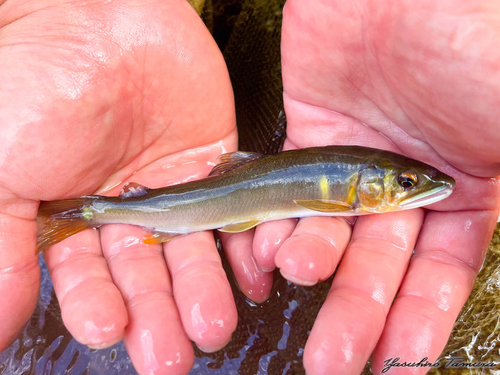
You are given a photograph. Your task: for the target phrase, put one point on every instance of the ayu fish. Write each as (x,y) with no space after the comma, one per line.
(245,189)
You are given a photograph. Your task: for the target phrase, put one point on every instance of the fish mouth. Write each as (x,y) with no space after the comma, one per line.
(424,199)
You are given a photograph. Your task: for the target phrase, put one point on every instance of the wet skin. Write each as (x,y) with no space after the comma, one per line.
(86,98)
(406,76)
(91,94)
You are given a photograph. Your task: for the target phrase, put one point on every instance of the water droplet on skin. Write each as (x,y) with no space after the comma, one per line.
(218,322)
(197,321)
(347,347)
(444,296)
(467,226)
(109,329)
(264,249)
(150,362)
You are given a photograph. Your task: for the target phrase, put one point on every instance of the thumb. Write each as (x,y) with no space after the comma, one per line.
(19,271)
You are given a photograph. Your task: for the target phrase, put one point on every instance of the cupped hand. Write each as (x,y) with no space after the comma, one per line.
(416,78)
(92,95)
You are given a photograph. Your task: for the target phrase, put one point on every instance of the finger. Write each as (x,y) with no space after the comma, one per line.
(19,275)
(154,336)
(92,308)
(268,239)
(448,255)
(253,281)
(202,292)
(353,315)
(314,250)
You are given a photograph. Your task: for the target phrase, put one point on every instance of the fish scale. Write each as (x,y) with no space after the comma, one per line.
(246,189)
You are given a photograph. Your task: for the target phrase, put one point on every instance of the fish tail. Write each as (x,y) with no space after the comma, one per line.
(61,219)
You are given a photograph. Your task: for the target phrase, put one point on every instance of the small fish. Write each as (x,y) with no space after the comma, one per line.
(245,189)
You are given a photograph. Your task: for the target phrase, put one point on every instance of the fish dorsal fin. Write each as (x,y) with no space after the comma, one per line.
(239,227)
(322,205)
(232,160)
(133,189)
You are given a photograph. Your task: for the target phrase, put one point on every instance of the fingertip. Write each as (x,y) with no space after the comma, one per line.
(253,281)
(155,339)
(314,249)
(296,280)
(96,320)
(268,239)
(316,360)
(213,348)
(201,290)
(261,294)
(259,285)
(305,260)
(321,357)
(263,255)
(206,306)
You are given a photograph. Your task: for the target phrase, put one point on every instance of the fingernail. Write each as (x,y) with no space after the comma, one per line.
(266,270)
(213,349)
(297,280)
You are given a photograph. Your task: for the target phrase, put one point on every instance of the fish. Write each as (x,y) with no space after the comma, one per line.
(245,189)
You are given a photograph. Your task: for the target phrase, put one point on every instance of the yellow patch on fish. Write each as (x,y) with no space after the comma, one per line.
(351,197)
(324,187)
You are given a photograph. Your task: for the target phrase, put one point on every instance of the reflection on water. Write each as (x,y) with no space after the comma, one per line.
(46,347)
(269,339)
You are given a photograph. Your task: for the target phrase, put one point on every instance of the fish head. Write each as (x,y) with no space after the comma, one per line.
(413,185)
(399,183)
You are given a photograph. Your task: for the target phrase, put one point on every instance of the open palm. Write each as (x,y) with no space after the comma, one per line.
(411,77)
(93,95)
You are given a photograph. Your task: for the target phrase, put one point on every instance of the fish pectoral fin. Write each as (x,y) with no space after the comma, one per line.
(159,237)
(239,227)
(232,160)
(325,205)
(133,189)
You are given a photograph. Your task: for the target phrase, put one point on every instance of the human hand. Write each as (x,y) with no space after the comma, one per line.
(416,78)
(94,95)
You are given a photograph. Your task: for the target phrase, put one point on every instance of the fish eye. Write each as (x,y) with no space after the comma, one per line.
(407,180)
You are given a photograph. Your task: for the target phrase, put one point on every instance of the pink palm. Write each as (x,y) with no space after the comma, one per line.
(413,77)
(418,78)
(92,96)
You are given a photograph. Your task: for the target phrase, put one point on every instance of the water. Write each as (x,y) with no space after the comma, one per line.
(261,344)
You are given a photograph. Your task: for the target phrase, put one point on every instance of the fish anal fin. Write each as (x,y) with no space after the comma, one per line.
(133,189)
(158,237)
(239,227)
(325,205)
(232,160)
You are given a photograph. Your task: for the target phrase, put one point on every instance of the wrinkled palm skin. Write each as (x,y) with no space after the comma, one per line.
(421,78)
(92,93)
(98,93)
